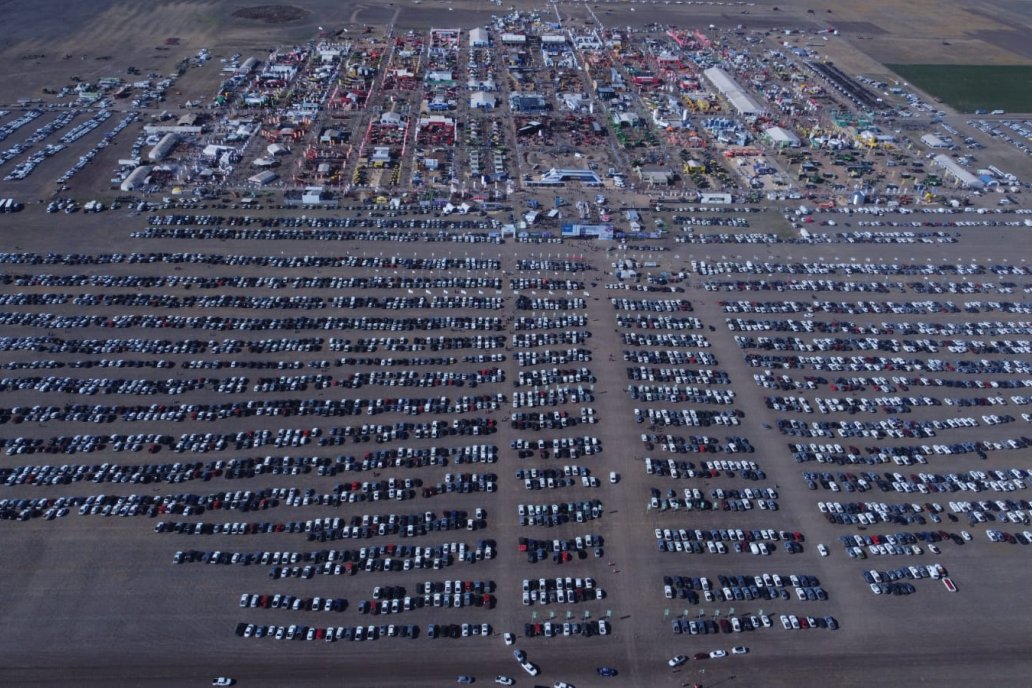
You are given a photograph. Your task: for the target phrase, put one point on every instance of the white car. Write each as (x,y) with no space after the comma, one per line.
(718,653)
(822,550)
(530,668)
(504,680)
(509,638)
(222,681)
(677,661)
(613,477)
(739,650)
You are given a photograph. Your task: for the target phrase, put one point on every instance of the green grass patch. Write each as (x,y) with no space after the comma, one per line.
(967,88)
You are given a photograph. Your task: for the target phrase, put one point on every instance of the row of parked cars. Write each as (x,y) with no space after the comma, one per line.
(298,449)
(292,602)
(549,629)
(750,622)
(367,218)
(552,356)
(329,633)
(430,599)
(996,480)
(738,587)
(553,396)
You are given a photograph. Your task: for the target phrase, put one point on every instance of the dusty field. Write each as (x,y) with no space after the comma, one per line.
(88,592)
(96,601)
(271,14)
(42,40)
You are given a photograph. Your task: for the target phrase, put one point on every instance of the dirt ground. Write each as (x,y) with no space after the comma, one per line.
(124,611)
(97,602)
(42,40)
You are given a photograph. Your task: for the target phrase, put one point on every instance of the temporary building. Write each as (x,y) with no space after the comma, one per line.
(958,173)
(781,137)
(263,178)
(136,179)
(656,175)
(312,195)
(482,100)
(561,175)
(733,92)
(479,38)
(163,147)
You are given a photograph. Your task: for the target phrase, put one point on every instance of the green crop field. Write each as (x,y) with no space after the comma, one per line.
(971,87)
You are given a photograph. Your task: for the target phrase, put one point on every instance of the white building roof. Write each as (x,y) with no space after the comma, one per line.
(656,175)
(163,147)
(558,175)
(213,150)
(782,136)
(953,169)
(729,88)
(312,194)
(263,178)
(248,65)
(478,36)
(436,119)
(136,178)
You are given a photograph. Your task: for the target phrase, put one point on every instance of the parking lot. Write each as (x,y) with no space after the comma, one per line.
(303,484)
